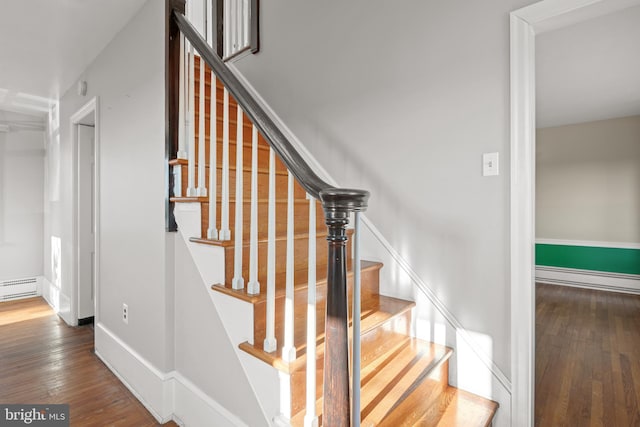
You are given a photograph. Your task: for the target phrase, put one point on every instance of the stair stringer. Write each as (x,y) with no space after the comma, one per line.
(236,315)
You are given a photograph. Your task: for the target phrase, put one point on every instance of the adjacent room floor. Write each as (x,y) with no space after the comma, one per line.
(44,361)
(587,357)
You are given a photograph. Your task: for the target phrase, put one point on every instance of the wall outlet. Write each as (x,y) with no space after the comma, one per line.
(125,313)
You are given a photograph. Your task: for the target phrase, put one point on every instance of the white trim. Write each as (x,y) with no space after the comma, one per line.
(402,262)
(93,106)
(439,305)
(617,282)
(167,396)
(193,407)
(147,383)
(593,244)
(525,23)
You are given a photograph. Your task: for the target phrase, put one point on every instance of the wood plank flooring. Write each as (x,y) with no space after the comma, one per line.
(587,358)
(44,361)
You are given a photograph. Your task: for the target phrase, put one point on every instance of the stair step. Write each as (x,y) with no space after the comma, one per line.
(300,283)
(379,310)
(280,182)
(300,256)
(408,363)
(454,408)
(263,153)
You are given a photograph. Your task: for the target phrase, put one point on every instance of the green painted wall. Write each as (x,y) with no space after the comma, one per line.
(613,260)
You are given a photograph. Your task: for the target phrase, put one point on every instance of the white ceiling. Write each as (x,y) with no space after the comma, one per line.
(46,44)
(589,71)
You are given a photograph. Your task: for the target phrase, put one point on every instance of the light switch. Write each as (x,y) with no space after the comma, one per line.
(490,164)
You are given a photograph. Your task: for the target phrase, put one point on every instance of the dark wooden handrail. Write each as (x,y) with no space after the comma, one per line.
(338,204)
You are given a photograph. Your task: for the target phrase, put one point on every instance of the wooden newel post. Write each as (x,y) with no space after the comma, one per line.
(338,205)
(336,410)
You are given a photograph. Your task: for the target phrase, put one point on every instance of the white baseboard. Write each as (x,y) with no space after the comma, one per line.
(589,243)
(616,282)
(167,396)
(150,386)
(192,407)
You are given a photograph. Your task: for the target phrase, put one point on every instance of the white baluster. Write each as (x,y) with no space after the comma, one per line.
(270,343)
(182,151)
(202,186)
(191,168)
(212,232)
(254,286)
(225,232)
(238,280)
(310,417)
(177,180)
(241,24)
(226,28)
(355,363)
(289,349)
(208,8)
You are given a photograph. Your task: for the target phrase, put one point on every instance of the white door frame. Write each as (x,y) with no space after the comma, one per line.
(525,24)
(91,107)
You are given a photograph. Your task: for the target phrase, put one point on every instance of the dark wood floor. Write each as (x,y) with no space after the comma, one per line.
(44,361)
(587,358)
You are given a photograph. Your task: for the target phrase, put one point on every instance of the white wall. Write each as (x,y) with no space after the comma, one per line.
(204,353)
(402,100)
(21,200)
(135,254)
(588,181)
(589,71)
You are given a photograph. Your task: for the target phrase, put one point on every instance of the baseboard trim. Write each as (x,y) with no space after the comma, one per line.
(193,407)
(598,280)
(167,396)
(590,243)
(148,384)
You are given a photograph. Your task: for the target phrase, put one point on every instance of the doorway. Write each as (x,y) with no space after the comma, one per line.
(525,24)
(84,129)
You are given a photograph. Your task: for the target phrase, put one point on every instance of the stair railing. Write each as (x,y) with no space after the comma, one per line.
(183,43)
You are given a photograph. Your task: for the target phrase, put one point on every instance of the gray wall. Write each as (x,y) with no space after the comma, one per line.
(21,200)
(135,253)
(403,99)
(588,181)
(204,354)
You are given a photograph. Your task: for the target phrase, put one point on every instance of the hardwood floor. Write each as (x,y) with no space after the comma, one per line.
(44,361)
(587,358)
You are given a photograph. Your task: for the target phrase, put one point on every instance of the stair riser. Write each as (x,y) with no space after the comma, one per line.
(263,184)
(301,251)
(300,213)
(369,281)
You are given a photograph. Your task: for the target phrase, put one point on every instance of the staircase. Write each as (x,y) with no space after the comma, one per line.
(403,380)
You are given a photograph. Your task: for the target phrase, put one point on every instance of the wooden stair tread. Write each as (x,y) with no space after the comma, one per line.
(467,409)
(377,309)
(454,408)
(385,379)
